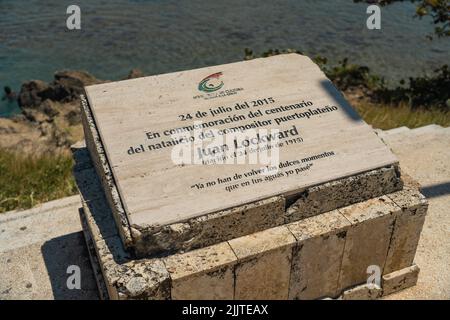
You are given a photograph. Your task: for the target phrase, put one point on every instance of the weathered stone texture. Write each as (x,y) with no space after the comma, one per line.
(203,274)
(320,256)
(362,292)
(408,226)
(317,256)
(101,166)
(264,263)
(400,279)
(143,279)
(343,192)
(367,240)
(209,229)
(124,278)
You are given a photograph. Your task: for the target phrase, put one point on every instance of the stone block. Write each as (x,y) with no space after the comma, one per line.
(345,191)
(209,229)
(362,292)
(203,274)
(104,174)
(407,228)
(400,279)
(317,257)
(124,278)
(298,261)
(264,264)
(367,240)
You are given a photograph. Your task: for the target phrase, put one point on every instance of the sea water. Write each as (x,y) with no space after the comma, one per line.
(171,35)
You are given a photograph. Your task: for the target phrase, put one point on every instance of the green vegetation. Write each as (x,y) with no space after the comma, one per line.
(26,181)
(421,92)
(387,116)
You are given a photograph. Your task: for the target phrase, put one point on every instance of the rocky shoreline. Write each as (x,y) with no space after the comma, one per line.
(50,120)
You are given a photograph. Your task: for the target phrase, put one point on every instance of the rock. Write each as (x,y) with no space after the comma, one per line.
(50,127)
(50,120)
(75,78)
(67,86)
(22,136)
(135,73)
(49,108)
(30,93)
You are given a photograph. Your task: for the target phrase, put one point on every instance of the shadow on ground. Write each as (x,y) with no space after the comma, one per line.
(60,253)
(436,190)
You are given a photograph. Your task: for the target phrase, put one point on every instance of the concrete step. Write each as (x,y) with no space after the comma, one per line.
(394,131)
(36,248)
(390,132)
(432,128)
(417,135)
(46,221)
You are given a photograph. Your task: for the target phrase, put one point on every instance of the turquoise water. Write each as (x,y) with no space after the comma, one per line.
(170,35)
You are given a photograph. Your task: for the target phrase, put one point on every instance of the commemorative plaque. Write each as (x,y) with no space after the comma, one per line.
(187,144)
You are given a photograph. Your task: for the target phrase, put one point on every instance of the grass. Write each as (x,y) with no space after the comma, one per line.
(388,116)
(26,181)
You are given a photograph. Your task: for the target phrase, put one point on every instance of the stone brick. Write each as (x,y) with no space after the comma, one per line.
(408,226)
(143,279)
(124,278)
(343,192)
(367,239)
(401,279)
(362,292)
(203,274)
(264,264)
(317,256)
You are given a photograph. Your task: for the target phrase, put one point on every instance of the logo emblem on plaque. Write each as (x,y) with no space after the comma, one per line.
(211,83)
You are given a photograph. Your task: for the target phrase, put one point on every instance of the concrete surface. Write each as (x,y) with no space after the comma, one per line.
(36,248)
(37,245)
(424,154)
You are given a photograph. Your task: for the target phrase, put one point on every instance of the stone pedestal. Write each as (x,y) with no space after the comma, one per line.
(183,200)
(313,258)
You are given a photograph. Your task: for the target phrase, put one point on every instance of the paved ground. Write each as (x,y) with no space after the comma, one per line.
(37,245)
(425,154)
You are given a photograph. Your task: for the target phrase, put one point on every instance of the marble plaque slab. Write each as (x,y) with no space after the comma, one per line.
(185,144)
